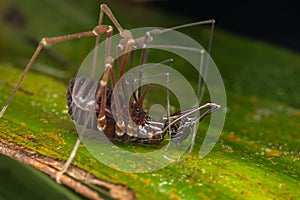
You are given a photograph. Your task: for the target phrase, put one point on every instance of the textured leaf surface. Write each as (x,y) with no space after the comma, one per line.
(257,156)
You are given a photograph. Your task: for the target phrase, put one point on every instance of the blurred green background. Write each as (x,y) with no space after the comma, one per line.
(257,155)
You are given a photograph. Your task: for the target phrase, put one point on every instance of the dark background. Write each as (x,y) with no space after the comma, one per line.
(271,21)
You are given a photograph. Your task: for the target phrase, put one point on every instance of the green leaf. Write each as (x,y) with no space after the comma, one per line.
(256,157)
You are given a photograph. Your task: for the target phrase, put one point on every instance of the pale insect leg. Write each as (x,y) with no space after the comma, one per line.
(68,162)
(73,153)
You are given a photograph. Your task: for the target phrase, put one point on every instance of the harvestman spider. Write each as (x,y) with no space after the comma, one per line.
(144,129)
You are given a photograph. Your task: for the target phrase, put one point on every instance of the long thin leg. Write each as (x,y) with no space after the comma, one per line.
(108,12)
(102,94)
(74,151)
(68,162)
(200,89)
(104,80)
(47,41)
(120,125)
(37,51)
